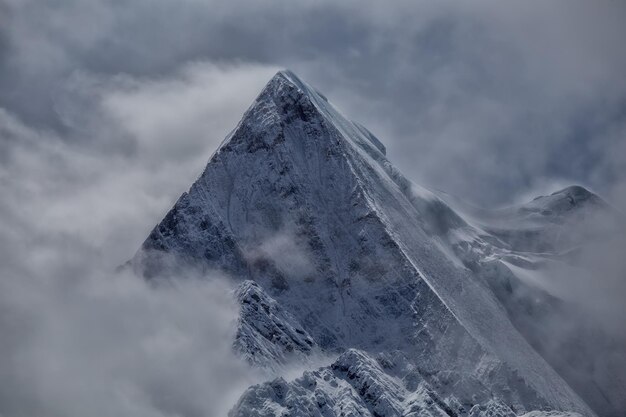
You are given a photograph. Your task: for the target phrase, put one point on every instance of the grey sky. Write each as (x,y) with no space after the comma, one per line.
(488,101)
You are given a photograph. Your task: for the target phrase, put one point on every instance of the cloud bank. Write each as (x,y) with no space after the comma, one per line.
(79,338)
(485,101)
(103,345)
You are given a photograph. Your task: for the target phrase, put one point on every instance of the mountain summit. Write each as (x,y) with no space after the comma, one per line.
(338,253)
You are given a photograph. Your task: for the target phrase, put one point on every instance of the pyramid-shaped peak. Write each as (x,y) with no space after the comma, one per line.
(287,76)
(286,90)
(286,82)
(287,104)
(302,201)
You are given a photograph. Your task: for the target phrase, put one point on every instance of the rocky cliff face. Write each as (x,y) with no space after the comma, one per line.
(341,254)
(357,384)
(267,334)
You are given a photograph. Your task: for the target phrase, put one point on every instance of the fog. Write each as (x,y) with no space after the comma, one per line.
(101,344)
(79,338)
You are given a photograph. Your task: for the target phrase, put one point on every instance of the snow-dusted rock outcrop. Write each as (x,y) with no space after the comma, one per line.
(385,266)
(357,384)
(267,335)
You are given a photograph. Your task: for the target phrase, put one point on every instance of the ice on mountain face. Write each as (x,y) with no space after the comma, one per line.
(386,273)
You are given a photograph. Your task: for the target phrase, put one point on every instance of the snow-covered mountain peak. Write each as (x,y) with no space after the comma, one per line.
(288,101)
(287,78)
(576,190)
(285,86)
(346,253)
(564,200)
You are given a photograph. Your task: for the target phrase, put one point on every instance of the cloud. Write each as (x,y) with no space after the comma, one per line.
(103,344)
(593,280)
(78,338)
(484,101)
(507,94)
(124,162)
(109,110)
(286,250)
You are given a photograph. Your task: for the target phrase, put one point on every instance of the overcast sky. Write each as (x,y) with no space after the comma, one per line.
(489,101)
(109,110)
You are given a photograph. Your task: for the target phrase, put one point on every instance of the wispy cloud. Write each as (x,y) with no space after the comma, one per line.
(79,338)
